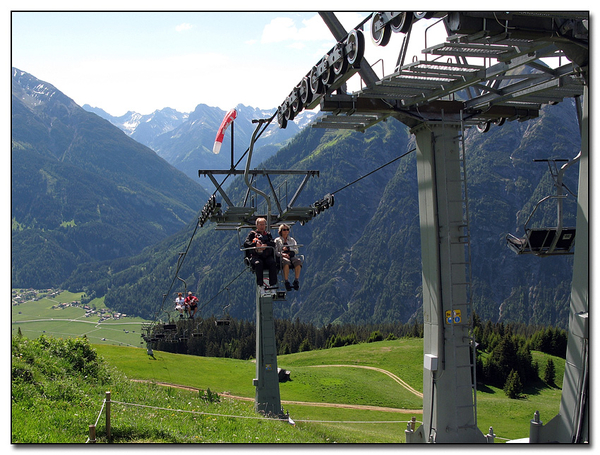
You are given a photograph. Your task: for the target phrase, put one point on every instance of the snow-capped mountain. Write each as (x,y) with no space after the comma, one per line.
(143,128)
(185,140)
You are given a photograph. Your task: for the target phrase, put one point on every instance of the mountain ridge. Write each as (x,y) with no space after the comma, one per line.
(84,187)
(186,140)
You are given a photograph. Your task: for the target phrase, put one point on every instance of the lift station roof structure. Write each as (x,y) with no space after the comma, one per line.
(488,70)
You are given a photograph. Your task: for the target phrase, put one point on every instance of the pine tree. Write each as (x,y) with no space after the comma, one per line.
(305,345)
(513,388)
(550,372)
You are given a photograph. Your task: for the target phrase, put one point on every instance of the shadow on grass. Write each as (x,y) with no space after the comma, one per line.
(484,388)
(528,390)
(537,387)
(129,434)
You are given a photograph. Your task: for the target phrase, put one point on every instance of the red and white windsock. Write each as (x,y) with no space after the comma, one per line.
(227,120)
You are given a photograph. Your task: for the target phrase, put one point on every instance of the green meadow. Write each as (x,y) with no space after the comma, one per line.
(360,393)
(318,379)
(43,316)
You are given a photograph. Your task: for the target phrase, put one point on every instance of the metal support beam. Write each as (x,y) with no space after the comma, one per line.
(267,398)
(449,408)
(298,191)
(571,425)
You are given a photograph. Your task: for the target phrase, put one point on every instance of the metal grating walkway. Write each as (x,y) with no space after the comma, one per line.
(503,80)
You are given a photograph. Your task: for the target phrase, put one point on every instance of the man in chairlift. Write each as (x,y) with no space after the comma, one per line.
(191,302)
(263,256)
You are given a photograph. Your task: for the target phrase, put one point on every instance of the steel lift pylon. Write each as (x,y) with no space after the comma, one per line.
(571,424)
(236,217)
(449,390)
(267,398)
(438,98)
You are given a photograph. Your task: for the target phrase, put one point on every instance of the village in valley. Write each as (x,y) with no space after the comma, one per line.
(20,296)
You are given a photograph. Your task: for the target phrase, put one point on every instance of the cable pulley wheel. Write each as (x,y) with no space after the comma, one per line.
(484,127)
(316,86)
(423,14)
(340,66)
(355,47)
(281,119)
(296,103)
(305,91)
(380,32)
(402,22)
(289,115)
(328,76)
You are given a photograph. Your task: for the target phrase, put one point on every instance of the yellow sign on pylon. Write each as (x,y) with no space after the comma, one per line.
(453,317)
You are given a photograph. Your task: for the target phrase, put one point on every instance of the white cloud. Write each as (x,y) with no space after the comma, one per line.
(279,29)
(183,27)
(285,29)
(314,29)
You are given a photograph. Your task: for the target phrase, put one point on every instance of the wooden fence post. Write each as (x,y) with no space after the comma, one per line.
(92,436)
(108,416)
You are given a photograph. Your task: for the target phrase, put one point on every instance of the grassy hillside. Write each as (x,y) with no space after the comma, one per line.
(370,382)
(315,381)
(58,387)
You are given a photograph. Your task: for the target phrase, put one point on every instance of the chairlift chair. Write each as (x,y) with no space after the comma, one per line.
(546,241)
(195,332)
(224,320)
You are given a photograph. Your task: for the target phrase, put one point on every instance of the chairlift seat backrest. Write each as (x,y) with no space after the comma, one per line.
(567,237)
(539,240)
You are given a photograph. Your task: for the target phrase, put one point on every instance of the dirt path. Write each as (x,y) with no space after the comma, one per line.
(324,405)
(381,370)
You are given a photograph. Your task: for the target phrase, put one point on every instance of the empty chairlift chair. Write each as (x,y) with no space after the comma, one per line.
(543,241)
(546,241)
(224,320)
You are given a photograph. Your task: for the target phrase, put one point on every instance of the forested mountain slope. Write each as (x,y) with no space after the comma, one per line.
(83,191)
(363,254)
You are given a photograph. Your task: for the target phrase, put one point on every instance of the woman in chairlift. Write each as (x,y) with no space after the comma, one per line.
(180,304)
(287,251)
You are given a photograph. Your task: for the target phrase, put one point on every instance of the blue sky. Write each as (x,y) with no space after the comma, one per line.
(144,61)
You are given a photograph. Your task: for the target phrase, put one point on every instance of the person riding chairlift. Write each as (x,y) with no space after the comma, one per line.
(261,258)
(287,251)
(191,302)
(180,304)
